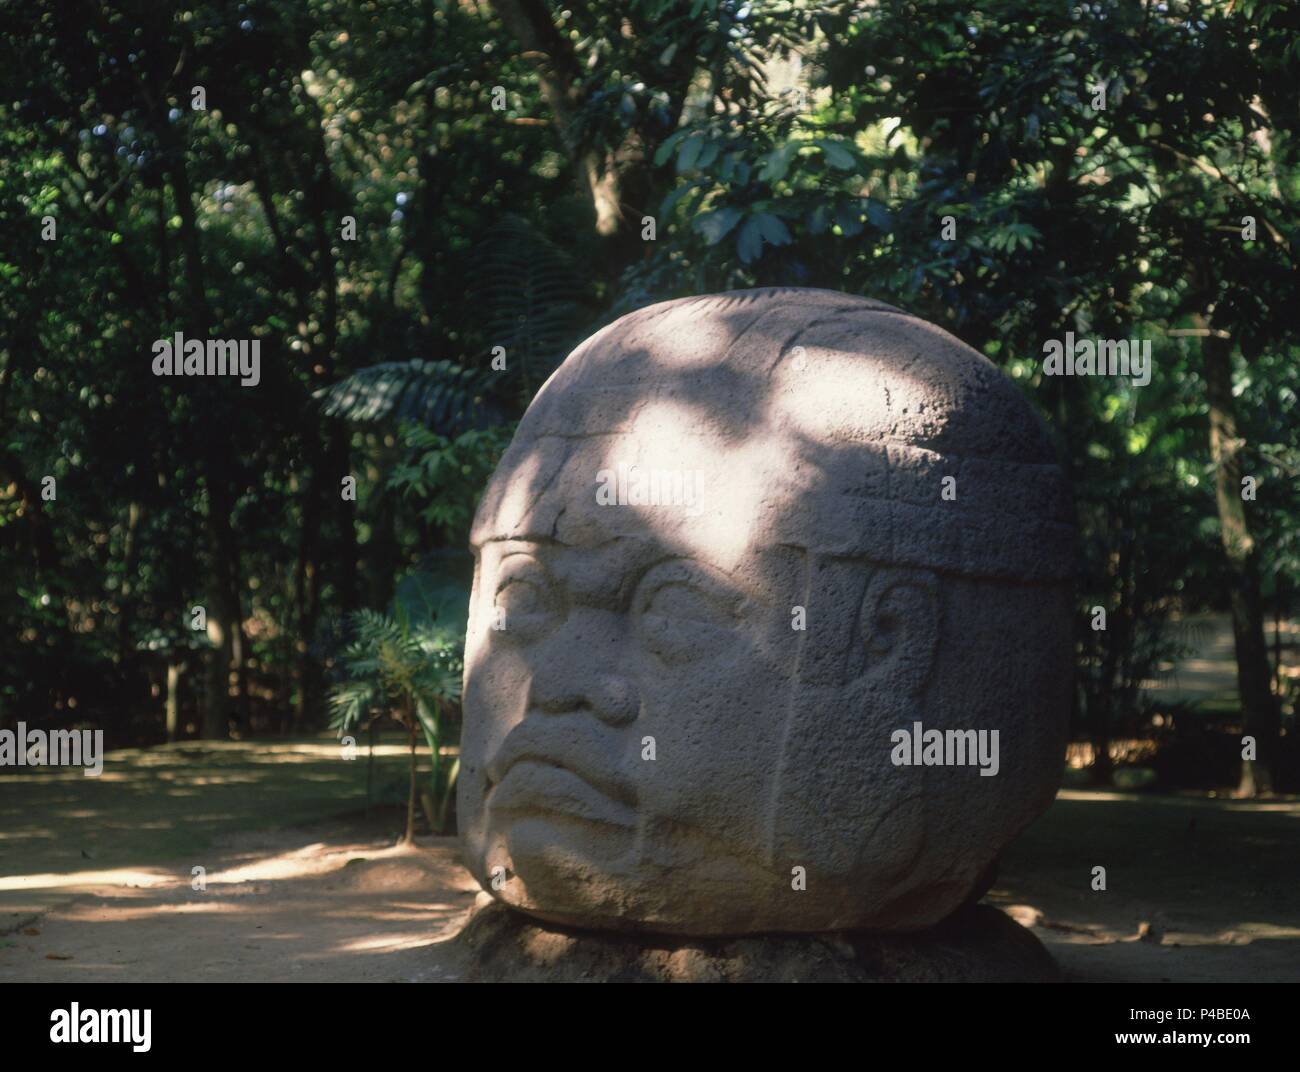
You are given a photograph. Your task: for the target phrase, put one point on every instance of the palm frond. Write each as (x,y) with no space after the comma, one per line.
(351,701)
(437,394)
(531,293)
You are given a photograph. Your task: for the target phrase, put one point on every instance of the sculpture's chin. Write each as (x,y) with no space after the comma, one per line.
(546,845)
(553,860)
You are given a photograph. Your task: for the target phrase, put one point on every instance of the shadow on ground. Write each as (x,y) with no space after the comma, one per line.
(1198,889)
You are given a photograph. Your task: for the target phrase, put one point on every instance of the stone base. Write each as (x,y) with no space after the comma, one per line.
(978,944)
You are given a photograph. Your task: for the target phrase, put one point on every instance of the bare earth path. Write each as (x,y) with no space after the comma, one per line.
(278,907)
(96,878)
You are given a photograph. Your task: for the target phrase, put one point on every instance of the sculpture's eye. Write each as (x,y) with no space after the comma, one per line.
(682,615)
(527,603)
(519,596)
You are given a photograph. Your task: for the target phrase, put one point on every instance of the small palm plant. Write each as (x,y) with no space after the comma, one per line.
(410,672)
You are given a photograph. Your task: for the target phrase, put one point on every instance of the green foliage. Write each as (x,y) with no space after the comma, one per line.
(529,294)
(439,394)
(1119,222)
(406,665)
(391,662)
(785,143)
(442,478)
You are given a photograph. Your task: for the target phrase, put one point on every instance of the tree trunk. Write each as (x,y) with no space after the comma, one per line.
(615,179)
(339,455)
(370,767)
(1099,735)
(381,555)
(173,699)
(409,837)
(216,699)
(1260,715)
(126,601)
(307,587)
(1277,640)
(239,645)
(222,617)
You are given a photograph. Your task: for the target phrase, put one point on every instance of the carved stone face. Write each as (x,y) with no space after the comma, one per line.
(715,574)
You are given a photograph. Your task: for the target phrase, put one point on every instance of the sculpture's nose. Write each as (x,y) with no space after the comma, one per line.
(609,697)
(576,675)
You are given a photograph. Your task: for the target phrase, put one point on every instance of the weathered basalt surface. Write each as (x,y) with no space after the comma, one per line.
(977,945)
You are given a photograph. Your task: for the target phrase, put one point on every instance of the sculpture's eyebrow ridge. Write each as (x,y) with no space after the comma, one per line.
(603,575)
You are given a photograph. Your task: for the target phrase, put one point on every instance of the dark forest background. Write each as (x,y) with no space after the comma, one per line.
(382,192)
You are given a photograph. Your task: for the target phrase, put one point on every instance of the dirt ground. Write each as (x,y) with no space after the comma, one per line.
(302,884)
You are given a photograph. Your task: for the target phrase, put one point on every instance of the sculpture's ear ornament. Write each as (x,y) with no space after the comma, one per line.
(870,623)
(899,627)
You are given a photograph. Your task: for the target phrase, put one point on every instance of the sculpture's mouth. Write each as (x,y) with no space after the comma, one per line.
(530,773)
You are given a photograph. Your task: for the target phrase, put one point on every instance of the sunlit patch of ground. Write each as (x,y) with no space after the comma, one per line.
(299,881)
(164,808)
(272,908)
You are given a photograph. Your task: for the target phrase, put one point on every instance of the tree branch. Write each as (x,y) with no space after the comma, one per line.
(1214,173)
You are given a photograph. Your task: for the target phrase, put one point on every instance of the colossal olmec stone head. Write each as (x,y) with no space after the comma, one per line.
(717,570)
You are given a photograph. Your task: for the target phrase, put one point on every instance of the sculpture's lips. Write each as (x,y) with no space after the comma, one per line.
(562,763)
(536,788)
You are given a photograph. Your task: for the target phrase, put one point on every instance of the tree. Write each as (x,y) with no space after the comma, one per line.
(411,672)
